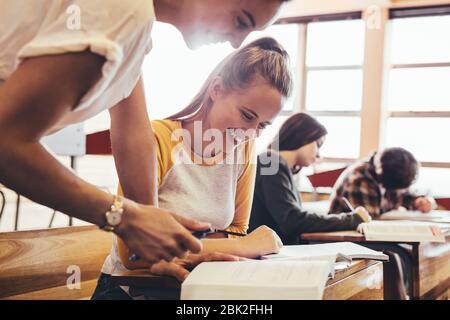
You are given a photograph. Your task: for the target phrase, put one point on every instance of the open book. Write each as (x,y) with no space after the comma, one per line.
(338,251)
(407,231)
(433,216)
(257,280)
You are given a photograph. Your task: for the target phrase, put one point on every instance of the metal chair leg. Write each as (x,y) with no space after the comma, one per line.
(16,222)
(52,218)
(3,204)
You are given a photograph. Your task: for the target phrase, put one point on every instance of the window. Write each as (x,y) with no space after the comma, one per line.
(420,40)
(173,73)
(334,59)
(418,95)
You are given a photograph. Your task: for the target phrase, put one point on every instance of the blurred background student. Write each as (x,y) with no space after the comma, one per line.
(277,202)
(381,184)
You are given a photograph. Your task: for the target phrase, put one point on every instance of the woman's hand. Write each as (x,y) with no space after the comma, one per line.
(424,204)
(155,234)
(261,241)
(180,268)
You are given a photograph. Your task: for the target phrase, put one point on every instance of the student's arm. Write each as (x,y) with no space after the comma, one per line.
(244,193)
(134,148)
(32,100)
(421,203)
(281,202)
(261,241)
(408,200)
(363,193)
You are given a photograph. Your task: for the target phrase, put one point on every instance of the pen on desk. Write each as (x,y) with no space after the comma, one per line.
(231,233)
(349,205)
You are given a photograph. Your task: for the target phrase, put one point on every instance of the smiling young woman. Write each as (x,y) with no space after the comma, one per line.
(245,92)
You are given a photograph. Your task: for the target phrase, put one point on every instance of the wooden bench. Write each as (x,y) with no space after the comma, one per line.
(38,264)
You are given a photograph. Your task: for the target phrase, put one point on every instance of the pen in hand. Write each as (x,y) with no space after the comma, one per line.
(199,235)
(349,205)
(362,212)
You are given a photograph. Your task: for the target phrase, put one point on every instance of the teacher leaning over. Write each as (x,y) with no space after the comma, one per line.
(63,62)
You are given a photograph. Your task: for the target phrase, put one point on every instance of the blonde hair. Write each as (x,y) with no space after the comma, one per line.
(264,57)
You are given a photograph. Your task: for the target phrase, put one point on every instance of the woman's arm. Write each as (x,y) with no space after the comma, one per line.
(261,241)
(134,148)
(281,202)
(32,100)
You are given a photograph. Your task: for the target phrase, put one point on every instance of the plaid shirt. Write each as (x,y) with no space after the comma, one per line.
(359,185)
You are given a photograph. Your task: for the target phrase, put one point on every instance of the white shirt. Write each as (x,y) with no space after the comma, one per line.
(116,29)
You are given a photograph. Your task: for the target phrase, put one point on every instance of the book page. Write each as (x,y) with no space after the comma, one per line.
(343,250)
(257,280)
(408,231)
(434,216)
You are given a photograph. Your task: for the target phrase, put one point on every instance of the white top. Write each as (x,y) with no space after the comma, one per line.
(116,29)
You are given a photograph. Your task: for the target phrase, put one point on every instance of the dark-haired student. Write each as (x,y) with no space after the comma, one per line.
(277,202)
(381,184)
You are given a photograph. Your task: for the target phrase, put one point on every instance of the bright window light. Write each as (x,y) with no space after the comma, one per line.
(343,137)
(334,90)
(422,136)
(335,43)
(419,89)
(420,40)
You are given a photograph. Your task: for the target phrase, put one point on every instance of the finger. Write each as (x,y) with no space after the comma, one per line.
(188,241)
(218,256)
(184,255)
(278,239)
(165,255)
(170,269)
(176,249)
(191,224)
(196,259)
(245,259)
(150,257)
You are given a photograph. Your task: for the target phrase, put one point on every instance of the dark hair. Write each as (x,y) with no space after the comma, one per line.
(399,168)
(297,131)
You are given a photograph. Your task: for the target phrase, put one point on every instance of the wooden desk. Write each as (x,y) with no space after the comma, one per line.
(361,281)
(430,262)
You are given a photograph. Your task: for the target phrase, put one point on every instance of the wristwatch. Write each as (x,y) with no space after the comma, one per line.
(114,215)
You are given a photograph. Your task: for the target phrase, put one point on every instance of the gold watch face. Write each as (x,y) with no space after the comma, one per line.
(114,218)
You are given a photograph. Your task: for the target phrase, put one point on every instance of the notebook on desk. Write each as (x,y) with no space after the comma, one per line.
(433,216)
(339,251)
(404,231)
(257,280)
